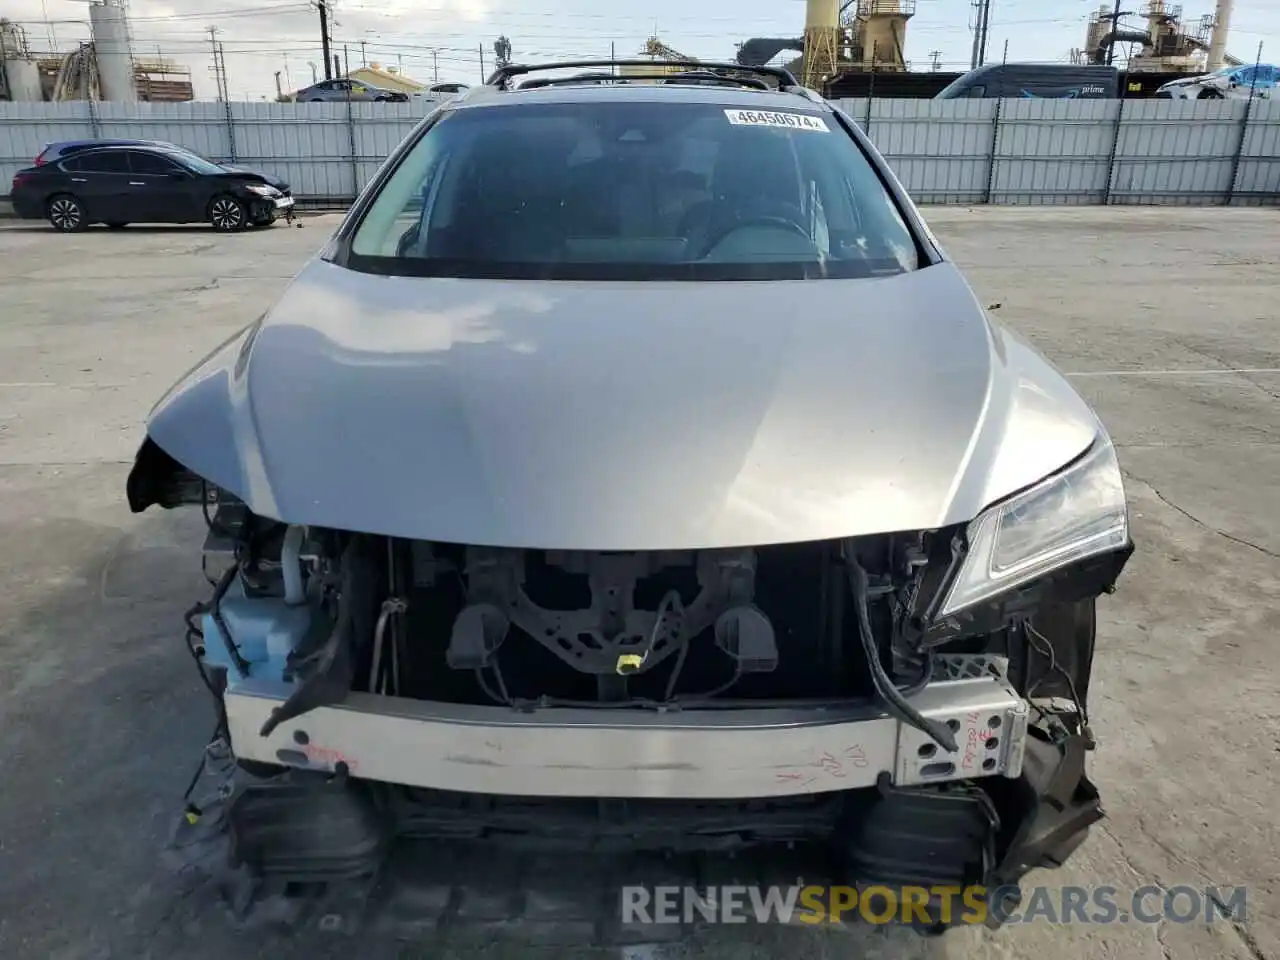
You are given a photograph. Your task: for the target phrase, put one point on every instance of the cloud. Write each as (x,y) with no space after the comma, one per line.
(468,11)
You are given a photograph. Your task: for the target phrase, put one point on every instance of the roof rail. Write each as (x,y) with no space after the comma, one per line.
(601,77)
(501,78)
(686,77)
(721,79)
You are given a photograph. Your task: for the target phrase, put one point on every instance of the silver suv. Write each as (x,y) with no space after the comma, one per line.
(633,473)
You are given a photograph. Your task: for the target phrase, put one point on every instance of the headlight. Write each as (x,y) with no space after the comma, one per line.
(261,189)
(1077,513)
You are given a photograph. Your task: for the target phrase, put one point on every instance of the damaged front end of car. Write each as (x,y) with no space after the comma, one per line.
(906,709)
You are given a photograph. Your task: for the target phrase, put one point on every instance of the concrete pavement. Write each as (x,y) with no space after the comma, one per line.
(1166,318)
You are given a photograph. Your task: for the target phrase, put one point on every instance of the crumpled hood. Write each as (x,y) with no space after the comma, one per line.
(623,416)
(266,178)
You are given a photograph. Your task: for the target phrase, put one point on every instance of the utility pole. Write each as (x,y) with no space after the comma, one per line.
(978,6)
(364,61)
(986,22)
(435,66)
(217,67)
(222,63)
(346,64)
(483,78)
(936,57)
(322,6)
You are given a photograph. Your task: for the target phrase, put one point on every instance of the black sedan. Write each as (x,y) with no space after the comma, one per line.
(119,185)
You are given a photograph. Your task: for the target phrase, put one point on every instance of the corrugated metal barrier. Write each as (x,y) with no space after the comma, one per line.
(944,151)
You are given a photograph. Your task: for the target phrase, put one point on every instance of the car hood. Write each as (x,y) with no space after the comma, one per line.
(623,416)
(246,173)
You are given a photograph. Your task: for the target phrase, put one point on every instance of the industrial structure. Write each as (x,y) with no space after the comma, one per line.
(1167,45)
(840,36)
(105,67)
(19,75)
(657,52)
(852,48)
(847,48)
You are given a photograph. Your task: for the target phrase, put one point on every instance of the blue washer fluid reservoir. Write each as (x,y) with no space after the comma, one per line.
(264,629)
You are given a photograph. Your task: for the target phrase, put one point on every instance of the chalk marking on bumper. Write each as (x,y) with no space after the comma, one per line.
(719,754)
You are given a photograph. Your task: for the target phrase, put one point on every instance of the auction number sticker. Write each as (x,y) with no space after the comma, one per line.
(787,121)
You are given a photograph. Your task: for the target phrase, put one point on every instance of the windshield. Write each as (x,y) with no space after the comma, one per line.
(633,190)
(196,163)
(959,85)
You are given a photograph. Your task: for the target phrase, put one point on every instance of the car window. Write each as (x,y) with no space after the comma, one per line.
(634,190)
(150,163)
(98,161)
(978,90)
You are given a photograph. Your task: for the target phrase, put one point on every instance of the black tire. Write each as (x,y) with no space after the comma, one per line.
(227,214)
(66,213)
(1208,93)
(117,225)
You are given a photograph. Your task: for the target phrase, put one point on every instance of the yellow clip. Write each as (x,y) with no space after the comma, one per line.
(192,818)
(629,663)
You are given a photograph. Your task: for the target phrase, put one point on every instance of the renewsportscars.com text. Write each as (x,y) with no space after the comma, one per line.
(929,905)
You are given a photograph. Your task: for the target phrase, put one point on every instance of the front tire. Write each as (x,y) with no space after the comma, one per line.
(1208,93)
(66,213)
(227,214)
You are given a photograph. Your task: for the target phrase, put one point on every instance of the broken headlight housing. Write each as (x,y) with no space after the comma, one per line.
(1074,514)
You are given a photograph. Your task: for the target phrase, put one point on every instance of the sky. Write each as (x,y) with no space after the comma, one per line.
(453,39)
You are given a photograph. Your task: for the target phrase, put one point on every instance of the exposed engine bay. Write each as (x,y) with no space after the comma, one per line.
(408,692)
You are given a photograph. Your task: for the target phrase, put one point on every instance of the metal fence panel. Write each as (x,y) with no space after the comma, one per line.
(1177,151)
(200,127)
(943,151)
(26,127)
(1053,151)
(307,144)
(939,149)
(1258,178)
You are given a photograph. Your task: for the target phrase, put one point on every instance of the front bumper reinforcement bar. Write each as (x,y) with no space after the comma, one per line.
(691,754)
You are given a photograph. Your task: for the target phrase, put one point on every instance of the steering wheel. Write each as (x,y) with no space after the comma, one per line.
(783,223)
